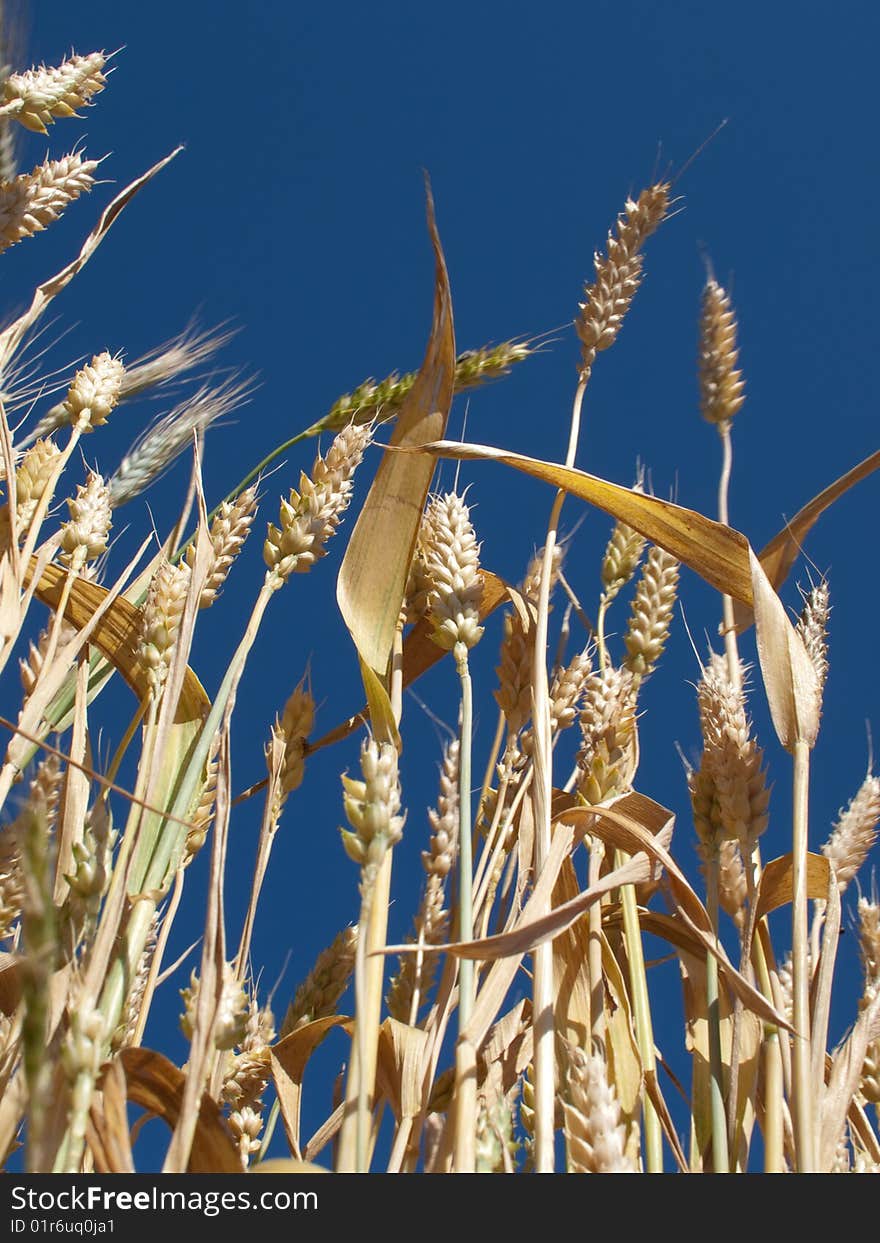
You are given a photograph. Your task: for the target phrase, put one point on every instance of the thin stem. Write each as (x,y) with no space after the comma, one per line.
(720,1154)
(641,1004)
(773,1076)
(802,1097)
(730,644)
(465,1061)
(597,983)
(600,634)
(542,794)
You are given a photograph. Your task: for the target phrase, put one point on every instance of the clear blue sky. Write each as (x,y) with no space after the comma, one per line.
(296,210)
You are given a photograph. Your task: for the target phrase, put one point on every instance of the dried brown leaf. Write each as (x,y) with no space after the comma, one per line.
(780,554)
(156,1084)
(372,579)
(716,552)
(289,1059)
(788,673)
(107,1132)
(775,887)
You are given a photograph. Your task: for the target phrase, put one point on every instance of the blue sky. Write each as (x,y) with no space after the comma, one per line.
(296,211)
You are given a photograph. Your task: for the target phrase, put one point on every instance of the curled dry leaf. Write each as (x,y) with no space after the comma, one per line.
(289,1058)
(780,554)
(716,552)
(156,1084)
(14,335)
(775,887)
(372,578)
(788,673)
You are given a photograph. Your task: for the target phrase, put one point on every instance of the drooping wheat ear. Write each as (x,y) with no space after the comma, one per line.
(618,275)
(319,993)
(94,392)
(607,756)
(160,622)
(416,971)
(452,560)
(32,477)
(40,96)
(869,949)
(165,439)
(372,808)
(294,728)
(128,1023)
(31,202)
(381,400)
(652,611)
(732,883)
(230,1021)
(812,626)
(854,832)
(594,1133)
(310,517)
(514,693)
(84,535)
(721,385)
(229,530)
(731,784)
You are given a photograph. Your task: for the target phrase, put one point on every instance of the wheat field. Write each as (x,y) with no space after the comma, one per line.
(534,963)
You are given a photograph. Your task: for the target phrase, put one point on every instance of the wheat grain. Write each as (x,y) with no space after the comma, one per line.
(310,516)
(229,530)
(618,274)
(721,385)
(594,1133)
(319,993)
(652,611)
(31,202)
(608,729)
(230,1020)
(40,96)
(94,392)
(452,563)
(160,622)
(854,832)
(84,535)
